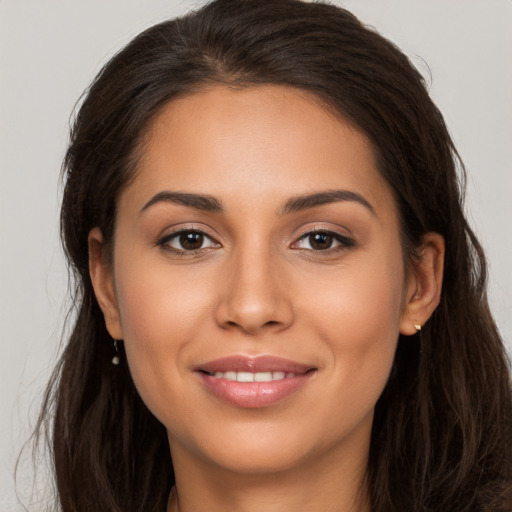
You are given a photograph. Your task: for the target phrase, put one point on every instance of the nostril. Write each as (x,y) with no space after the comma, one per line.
(252,311)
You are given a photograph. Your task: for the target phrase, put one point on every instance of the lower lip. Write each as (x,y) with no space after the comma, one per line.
(252,395)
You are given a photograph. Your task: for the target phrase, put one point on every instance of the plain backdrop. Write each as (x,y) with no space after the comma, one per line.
(49,52)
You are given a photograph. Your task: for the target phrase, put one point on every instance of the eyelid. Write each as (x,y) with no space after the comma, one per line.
(343,241)
(163,241)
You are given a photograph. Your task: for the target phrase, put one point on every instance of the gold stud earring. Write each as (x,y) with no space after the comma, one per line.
(417,327)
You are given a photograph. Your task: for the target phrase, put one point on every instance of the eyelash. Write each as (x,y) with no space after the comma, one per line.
(344,242)
(164,242)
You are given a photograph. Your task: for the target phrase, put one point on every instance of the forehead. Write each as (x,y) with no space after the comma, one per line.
(262,141)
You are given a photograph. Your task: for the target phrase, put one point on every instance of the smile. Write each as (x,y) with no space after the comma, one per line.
(253,383)
(253,377)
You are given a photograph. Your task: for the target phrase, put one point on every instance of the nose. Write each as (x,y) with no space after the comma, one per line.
(254,296)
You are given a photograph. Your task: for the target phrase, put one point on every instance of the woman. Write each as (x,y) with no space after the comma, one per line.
(280,303)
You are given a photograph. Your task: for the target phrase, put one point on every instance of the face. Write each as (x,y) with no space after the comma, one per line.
(258,280)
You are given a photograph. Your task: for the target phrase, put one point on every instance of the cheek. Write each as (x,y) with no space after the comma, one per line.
(358,317)
(363,297)
(160,312)
(153,304)
(157,297)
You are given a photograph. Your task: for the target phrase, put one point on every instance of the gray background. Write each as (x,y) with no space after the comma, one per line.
(49,52)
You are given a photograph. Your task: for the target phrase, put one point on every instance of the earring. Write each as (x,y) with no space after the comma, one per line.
(116,359)
(417,327)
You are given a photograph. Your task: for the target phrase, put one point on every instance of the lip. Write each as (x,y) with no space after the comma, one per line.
(254,364)
(253,395)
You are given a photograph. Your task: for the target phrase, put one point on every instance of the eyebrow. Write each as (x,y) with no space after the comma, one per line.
(197,201)
(294,204)
(307,201)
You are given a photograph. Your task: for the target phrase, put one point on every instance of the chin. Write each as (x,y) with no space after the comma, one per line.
(260,461)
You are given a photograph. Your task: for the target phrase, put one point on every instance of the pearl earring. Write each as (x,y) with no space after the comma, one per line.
(116,359)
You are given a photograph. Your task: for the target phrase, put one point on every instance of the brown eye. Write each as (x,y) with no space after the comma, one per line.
(187,241)
(320,241)
(323,241)
(191,240)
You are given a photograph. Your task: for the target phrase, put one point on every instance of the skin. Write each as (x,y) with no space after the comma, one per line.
(259,286)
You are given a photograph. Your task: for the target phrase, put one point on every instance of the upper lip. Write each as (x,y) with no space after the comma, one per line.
(242,363)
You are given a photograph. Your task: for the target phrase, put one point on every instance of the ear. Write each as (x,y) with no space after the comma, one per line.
(424,284)
(102,279)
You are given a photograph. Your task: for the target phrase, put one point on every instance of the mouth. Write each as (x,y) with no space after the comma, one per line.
(254,382)
(252,376)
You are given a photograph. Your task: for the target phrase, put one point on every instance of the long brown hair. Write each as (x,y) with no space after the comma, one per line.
(442,434)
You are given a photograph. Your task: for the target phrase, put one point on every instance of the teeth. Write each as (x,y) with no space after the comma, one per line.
(253,377)
(245,377)
(263,377)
